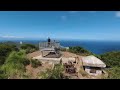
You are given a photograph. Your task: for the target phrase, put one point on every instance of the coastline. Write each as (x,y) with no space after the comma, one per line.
(97,47)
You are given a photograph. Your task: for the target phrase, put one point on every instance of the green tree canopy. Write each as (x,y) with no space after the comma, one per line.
(29,48)
(5,49)
(111,58)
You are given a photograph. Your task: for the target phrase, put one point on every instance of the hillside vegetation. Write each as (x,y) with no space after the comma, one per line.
(79,50)
(56,73)
(29,48)
(14,66)
(5,49)
(112,59)
(13,62)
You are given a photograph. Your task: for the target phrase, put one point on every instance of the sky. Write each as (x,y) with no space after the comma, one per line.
(80,25)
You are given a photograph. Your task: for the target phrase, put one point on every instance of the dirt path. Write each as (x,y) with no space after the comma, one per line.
(34,54)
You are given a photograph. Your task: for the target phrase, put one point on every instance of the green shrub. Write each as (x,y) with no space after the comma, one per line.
(111,58)
(25,46)
(14,66)
(25,61)
(14,70)
(114,73)
(5,49)
(2,59)
(56,73)
(2,74)
(79,50)
(4,52)
(29,48)
(35,63)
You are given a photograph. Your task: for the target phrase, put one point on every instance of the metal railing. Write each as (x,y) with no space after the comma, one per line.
(49,45)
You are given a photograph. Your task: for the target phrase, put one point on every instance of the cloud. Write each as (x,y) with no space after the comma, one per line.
(9,36)
(63,17)
(118,14)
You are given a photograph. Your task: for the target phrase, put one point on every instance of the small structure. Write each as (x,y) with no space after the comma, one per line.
(92,65)
(50,49)
(50,53)
(49,44)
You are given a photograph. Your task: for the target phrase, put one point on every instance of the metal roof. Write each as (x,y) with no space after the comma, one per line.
(51,44)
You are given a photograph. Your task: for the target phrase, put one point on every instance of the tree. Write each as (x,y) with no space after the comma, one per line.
(5,49)
(29,48)
(25,46)
(111,58)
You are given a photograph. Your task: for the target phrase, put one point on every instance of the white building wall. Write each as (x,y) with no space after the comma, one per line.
(98,72)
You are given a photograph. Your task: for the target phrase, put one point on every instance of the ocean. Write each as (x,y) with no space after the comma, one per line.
(97,47)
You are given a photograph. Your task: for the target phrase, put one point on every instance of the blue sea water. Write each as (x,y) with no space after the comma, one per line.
(97,47)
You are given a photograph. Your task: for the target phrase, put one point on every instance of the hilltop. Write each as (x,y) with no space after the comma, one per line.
(18,63)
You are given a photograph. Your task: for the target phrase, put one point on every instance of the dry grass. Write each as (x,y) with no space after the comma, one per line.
(33,72)
(83,73)
(34,54)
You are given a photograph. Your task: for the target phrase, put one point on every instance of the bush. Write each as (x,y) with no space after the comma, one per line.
(79,50)
(29,48)
(111,58)
(5,49)
(2,74)
(25,46)
(35,63)
(14,66)
(2,60)
(13,70)
(114,73)
(56,73)
(26,62)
